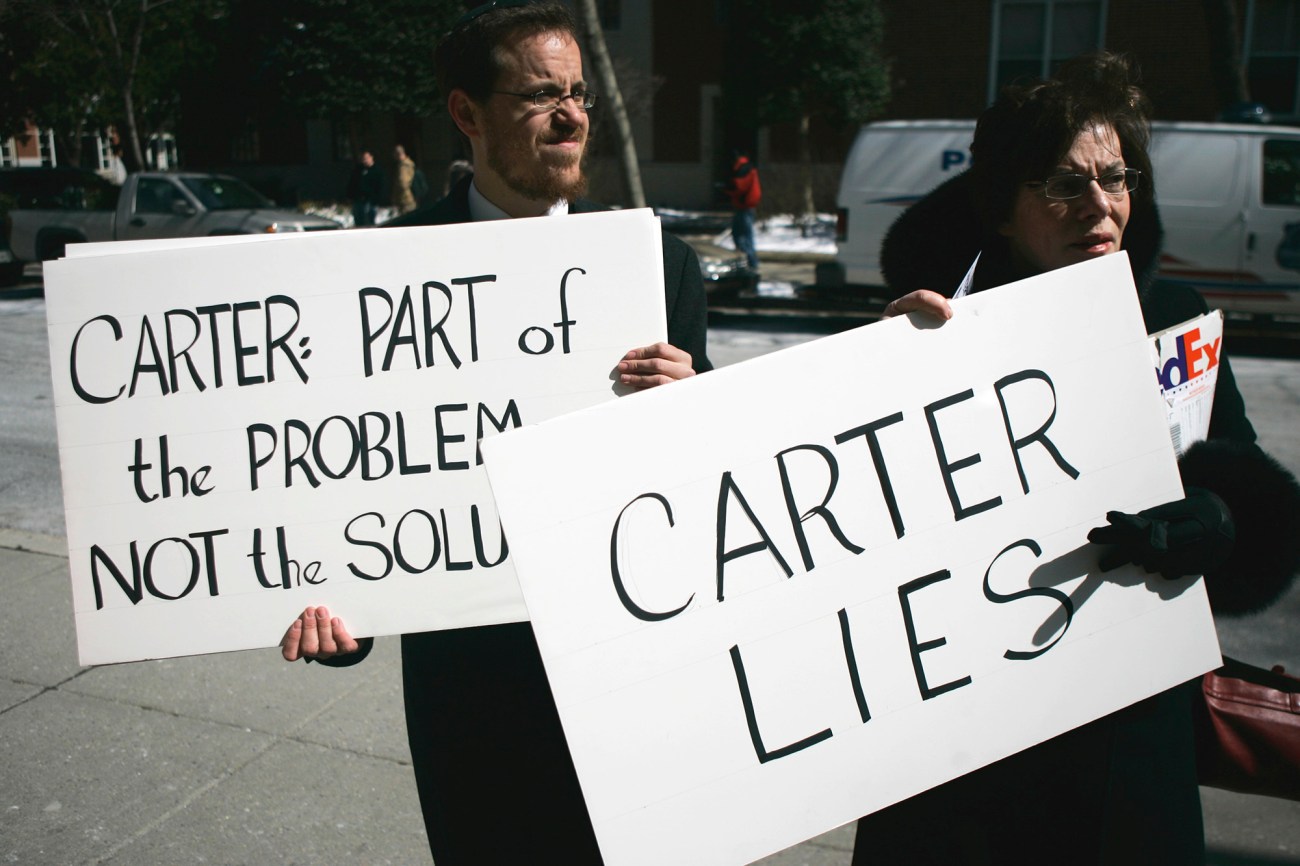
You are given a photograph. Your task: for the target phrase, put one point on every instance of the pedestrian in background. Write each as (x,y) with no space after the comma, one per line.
(403,179)
(365,190)
(744,192)
(496,781)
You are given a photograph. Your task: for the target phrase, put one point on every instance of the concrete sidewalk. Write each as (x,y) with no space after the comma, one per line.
(243,759)
(225,759)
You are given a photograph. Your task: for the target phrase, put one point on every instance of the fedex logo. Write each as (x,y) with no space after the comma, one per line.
(1192,357)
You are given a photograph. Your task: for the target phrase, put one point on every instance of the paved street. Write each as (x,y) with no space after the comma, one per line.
(243,759)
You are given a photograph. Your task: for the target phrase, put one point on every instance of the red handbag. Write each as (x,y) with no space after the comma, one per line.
(1248,730)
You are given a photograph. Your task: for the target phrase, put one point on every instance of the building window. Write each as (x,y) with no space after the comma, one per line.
(1273,56)
(341,141)
(610,13)
(1033,37)
(46,142)
(161,152)
(246,146)
(102,148)
(8,159)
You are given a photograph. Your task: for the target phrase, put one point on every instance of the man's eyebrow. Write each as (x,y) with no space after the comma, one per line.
(545,84)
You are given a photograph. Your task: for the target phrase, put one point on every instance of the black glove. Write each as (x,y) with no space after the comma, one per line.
(1192,535)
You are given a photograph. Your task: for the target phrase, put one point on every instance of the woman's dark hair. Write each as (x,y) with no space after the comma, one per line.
(467,57)
(1025,134)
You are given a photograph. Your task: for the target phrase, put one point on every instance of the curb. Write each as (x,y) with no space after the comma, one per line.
(16,293)
(704,245)
(33,542)
(794,257)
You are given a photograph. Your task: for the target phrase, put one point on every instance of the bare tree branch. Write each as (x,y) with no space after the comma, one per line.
(612,95)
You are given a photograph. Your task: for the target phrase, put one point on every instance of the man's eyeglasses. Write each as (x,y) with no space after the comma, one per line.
(548,100)
(1063,187)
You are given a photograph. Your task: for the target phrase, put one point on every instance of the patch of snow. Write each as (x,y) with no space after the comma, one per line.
(785,233)
(775,289)
(342,213)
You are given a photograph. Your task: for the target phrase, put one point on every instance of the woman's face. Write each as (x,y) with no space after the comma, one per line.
(1046,234)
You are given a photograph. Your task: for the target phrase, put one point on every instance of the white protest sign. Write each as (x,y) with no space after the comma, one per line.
(117,248)
(840,574)
(249,428)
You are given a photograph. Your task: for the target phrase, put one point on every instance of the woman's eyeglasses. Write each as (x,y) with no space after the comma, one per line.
(1063,187)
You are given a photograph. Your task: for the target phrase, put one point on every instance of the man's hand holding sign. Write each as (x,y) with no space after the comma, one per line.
(317,635)
(654,365)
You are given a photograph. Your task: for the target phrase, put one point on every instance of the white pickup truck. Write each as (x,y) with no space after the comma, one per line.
(50,208)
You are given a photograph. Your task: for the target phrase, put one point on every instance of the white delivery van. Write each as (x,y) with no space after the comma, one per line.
(1229,198)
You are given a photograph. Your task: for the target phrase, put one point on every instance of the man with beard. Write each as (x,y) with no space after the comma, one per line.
(496,781)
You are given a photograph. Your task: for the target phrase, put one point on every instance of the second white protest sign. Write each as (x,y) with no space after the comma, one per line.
(838,575)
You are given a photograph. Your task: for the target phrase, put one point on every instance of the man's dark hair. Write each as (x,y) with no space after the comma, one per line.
(467,57)
(1024,135)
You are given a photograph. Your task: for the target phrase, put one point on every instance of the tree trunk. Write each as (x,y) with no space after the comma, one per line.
(125,68)
(132,131)
(67,142)
(613,97)
(809,217)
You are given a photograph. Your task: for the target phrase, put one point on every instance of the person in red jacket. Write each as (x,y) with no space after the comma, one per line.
(744,192)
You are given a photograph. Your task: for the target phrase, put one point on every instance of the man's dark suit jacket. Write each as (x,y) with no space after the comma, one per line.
(496,781)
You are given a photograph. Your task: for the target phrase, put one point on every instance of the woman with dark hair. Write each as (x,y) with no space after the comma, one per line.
(1060,174)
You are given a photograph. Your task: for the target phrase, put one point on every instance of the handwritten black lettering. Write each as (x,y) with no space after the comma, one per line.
(564,325)
(797,519)
(166,471)
(291,572)
(905,592)
(727,489)
(1039,435)
(948,469)
(620,587)
(397,329)
(145,577)
(751,719)
(421,530)
(153,371)
(871,433)
(1067,606)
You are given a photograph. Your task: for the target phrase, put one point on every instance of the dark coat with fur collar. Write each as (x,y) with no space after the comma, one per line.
(1122,789)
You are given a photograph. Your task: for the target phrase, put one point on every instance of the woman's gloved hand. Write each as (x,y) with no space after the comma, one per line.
(1192,535)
